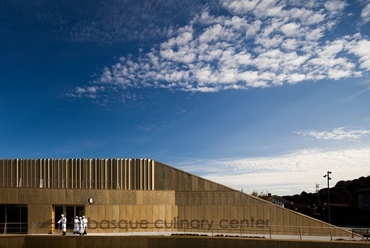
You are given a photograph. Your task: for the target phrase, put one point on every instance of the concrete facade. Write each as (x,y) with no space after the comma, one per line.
(141,195)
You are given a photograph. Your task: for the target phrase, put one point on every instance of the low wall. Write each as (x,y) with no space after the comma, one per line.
(165,242)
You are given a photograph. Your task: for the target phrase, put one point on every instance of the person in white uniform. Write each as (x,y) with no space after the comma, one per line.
(81,227)
(76,225)
(85,224)
(63,222)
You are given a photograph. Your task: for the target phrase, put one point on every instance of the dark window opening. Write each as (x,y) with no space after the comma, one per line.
(13,219)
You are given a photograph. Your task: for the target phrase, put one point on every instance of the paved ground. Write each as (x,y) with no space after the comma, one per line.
(287,237)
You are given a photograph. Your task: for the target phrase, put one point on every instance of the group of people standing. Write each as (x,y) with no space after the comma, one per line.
(79,225)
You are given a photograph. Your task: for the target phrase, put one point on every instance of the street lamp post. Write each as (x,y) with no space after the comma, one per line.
(328,178)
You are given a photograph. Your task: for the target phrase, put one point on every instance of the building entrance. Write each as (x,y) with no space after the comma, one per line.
(70,212)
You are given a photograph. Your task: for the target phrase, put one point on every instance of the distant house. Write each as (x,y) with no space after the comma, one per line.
(364,198)
(278,200)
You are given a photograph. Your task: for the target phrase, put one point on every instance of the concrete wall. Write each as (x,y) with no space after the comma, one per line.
(236,212)
(109,207)
(143,211)
(169,178)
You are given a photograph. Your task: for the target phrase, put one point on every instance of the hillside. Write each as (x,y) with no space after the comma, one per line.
(344,203)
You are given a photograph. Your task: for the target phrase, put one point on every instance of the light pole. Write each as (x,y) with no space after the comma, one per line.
(328,178)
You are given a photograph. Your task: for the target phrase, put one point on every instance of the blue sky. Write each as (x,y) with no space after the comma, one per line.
(262,96)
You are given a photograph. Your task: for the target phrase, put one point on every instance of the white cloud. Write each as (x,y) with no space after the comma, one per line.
(287,174)
(240,6)
(291,29)
(340,133)
(257,44)
(294,78)
(365,14)
(186,35)
(178,56)
(89,92)
(361,48)
(307,16)
(253,29)
(334,6)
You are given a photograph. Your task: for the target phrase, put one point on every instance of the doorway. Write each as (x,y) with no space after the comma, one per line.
(69,212)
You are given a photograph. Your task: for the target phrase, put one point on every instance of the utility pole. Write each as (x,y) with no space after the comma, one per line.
(318,197)
(327,176)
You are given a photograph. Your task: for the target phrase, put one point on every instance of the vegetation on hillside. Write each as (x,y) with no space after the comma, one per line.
(344,209)
(344,203)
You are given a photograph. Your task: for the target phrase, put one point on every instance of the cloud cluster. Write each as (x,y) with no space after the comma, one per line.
(255,44)
(287,174)
(340,133)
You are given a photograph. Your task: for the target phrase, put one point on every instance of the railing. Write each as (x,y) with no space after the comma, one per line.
(14,228)
(364,232)
(147,228)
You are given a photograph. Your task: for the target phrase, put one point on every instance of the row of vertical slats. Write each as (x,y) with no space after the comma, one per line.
(127,174)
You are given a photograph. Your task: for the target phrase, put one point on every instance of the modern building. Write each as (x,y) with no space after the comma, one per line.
(135,195)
